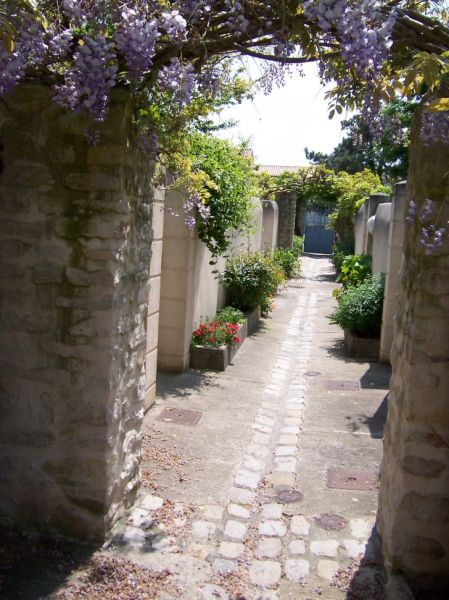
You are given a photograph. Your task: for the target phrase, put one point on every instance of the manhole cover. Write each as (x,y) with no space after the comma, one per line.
(342,384)
(330,521)
(352,479)
(312,373)
(290,496)
(180,416)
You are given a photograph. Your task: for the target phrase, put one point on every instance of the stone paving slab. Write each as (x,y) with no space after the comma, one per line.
(270,425)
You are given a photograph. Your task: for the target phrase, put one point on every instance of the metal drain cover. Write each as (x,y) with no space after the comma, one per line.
(180,416)
(331,521)
(312,373)
(290,496)
(342,385)
(352,479)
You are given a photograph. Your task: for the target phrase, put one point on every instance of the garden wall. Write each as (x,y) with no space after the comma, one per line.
(75,246)
(190,288)
(286,202)
(413,518)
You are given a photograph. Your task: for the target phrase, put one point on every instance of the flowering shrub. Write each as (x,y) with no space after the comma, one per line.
(215,334)
(287,260)
(355,268)
(229,314)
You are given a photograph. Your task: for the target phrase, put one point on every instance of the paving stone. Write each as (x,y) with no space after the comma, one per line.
(224,567)
(324,548)
(272,528)
(262,428)
(281,480)
(261,438)
(235,510)
(231,549)
(235,530)
(214,592)
(286,450)
(150,502)
(241,496)
(257,450)
(265,420)
(164,544)
(203,529)
(200,551)
(213,512)
(133,535)
(327,569)
(361,528)
(285,464)
(354,548)
(297,547)
(300,525)
(265,573)
(288,439)
(247,479)
(266,412)
(269,548)
(264,595)
(254,464)
(290,429)
(296,569)
(272,511)
(141,518)
(291,422)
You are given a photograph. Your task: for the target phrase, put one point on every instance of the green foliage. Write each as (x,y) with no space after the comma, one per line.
(354,270)
(298,245)
(351,191)
(250,279)
(340,250)
(360,149)
(359,308)
(287,260)
(229,314)
(227,189)
(215,334)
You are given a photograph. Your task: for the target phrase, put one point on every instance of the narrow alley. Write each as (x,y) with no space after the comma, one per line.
(263,482)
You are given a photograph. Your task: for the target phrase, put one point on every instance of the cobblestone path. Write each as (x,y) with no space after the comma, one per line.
(274,496)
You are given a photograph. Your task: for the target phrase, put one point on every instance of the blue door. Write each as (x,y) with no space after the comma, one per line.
(318,239)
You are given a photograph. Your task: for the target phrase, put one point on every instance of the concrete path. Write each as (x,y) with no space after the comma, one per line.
(273,493)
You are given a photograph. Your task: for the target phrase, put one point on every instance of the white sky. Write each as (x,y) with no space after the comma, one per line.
(285,122)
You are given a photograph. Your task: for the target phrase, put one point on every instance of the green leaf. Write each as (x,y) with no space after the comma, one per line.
(438,105)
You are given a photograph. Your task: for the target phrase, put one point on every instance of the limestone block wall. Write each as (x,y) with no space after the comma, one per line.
(363,241)
(270,223)
(75,248)
(286,202)
(190,287)
(381,235)
(392,276)
(152,323)
(413,518)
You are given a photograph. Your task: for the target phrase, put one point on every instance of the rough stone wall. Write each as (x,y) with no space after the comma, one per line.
(286,202)
(413,518)
(75,246)
(392,277)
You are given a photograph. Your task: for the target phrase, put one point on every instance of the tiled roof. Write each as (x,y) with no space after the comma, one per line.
(274,170)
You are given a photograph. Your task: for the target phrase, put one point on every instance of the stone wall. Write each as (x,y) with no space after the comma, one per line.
(75,246)
(191,290)
(286,202)
(270,221)
(381,235)
(392,277)
(413,518)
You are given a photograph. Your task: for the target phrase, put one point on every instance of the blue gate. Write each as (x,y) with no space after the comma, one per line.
(317,239)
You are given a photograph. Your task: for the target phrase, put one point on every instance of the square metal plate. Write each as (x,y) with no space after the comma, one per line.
(180,416)
(342,385)
(352,479)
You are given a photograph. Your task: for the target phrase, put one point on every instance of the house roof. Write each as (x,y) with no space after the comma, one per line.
(274,170)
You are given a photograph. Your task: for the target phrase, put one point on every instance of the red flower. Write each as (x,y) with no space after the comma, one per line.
(236,339)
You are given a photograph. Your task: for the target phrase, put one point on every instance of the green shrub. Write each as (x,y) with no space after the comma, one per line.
(298,245)
(359,308)
(340,250)
(355,268)
(250,279)
(229,314)
(287,261)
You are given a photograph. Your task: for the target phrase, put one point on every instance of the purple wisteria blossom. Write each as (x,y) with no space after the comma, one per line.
(179,80)
(193,209)
(430,236)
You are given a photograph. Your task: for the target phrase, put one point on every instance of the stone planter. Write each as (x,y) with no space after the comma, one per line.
(363,348)
(217,359)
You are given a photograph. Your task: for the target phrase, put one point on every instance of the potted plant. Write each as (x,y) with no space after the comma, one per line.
(359,314)
(213,342)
